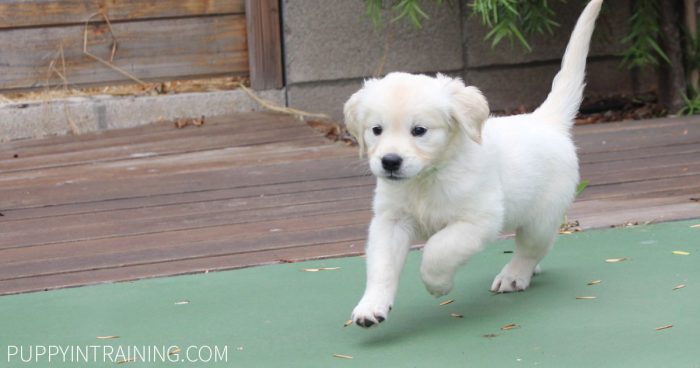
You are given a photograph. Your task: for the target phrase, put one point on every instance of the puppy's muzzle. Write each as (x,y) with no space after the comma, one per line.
(391,162)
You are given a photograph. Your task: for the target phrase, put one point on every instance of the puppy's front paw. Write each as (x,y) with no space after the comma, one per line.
(437,284)
(512,279)
(369,312)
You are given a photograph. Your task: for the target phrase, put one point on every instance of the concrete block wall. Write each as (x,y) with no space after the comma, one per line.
(331,46)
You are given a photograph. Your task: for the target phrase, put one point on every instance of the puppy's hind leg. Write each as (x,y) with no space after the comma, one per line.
(532,242)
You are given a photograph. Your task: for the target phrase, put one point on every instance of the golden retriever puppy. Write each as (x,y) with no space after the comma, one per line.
(450,175)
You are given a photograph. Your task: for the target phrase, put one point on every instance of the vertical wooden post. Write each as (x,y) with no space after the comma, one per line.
(264,44)
(671,75)
(691,23)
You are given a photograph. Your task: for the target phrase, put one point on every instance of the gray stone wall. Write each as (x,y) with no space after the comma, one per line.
(331,46)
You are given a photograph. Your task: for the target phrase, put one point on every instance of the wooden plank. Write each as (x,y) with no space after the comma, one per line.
(245,134)
(149,50)
(133,158)
(107,189)
(32,13)
(645,162)
(163,155)
(639,153)
(618,141)
(192,170)
(599,206)
(221,240)
(181,267)
(648,168)
(642,174)
(226,148)
(187,216)
(264,44)
(689,184)
(301,188)
(607,213)
(633,125)
(156,131)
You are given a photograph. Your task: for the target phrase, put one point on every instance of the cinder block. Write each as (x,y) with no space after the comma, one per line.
(323,97)
(646,80)
(329,97)
(508,88)
(39,119)
(334,39)
(611,28)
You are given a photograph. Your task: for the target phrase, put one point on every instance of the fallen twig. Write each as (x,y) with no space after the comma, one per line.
(281,109)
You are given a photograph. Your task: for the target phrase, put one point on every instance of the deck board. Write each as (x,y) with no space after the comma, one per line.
(259,188)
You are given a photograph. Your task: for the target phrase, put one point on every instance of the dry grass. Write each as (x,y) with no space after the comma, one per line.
(129,89)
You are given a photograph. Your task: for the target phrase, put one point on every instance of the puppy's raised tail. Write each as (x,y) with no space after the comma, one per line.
(565,98)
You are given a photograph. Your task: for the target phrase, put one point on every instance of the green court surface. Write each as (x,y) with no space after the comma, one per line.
(282,316)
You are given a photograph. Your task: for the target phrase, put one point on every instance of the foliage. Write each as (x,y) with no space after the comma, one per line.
(409,9)
(581,187)
(644,32)
(514,19)
(691,105)
(518,19)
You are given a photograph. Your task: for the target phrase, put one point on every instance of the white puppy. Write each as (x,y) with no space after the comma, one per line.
(449,174)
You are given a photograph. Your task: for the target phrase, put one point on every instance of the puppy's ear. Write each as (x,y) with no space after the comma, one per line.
(352,120)
(469,108)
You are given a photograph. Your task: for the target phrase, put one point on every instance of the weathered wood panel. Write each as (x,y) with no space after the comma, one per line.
(180,217)
(301,189)
(145,133)
(93,188)
(206,241)
(264,43)
(32,13)
(149,50)
(180,267)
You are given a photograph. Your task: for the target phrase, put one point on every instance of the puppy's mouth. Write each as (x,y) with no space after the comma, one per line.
(393,176)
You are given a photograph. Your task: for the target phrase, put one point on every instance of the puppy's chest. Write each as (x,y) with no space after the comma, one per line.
(431,211)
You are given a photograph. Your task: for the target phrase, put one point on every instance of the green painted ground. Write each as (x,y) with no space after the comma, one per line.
(279,316)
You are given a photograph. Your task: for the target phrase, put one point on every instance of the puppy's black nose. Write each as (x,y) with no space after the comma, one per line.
(391,162)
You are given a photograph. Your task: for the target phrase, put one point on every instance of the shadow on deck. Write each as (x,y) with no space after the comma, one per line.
(258,188)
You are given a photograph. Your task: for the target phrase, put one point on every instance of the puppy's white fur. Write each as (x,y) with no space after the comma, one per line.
(467,178)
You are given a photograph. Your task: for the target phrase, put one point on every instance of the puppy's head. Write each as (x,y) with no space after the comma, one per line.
(408,122)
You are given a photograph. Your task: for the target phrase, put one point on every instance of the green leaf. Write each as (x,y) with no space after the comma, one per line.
(643,49)
(581,187)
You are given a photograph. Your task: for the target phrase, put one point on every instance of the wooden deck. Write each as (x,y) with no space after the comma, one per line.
(259,188)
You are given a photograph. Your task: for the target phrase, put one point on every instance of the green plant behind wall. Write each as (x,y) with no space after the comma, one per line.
(518,19)
(644,49)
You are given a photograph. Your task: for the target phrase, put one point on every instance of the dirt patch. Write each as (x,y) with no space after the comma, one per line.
(610,108)
(603,109)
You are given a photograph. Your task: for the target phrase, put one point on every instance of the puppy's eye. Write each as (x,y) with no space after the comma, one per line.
(377,130)
(418,131)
